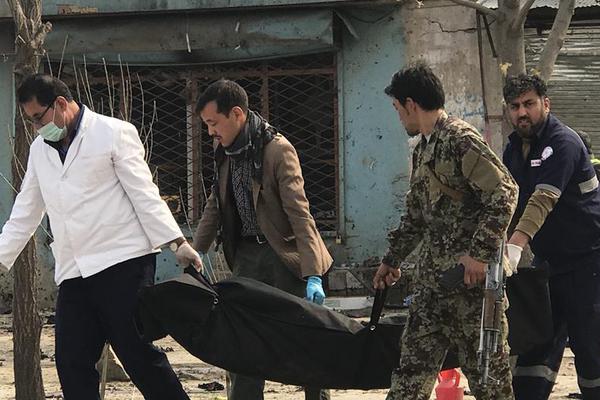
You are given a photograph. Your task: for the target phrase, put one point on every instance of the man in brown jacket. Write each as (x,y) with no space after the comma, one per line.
(258,209)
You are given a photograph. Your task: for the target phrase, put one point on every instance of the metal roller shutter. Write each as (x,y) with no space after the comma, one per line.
(574,88)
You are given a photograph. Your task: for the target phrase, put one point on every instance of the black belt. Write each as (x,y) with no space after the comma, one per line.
(260,239)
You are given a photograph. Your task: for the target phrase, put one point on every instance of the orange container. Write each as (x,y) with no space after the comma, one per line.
(447,388)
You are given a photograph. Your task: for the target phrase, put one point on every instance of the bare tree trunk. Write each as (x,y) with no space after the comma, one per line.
(27,324)
(556,38)
(510,38)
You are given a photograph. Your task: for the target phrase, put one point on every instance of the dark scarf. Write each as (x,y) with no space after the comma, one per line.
(249,144)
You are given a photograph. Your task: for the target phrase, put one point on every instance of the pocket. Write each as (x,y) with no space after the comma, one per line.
(100,166)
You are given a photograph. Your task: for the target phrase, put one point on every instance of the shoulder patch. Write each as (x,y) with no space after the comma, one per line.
(547,152)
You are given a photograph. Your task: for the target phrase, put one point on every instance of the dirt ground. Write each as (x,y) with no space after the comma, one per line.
(193,372)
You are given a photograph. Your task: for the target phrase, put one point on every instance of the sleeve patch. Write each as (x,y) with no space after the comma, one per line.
(481,171)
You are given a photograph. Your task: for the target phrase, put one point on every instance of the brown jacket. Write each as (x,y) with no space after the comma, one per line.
(282,212)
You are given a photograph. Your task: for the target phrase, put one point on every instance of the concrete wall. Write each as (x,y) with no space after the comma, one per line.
(7,106)
(6,133)
(374,147)
(445,35)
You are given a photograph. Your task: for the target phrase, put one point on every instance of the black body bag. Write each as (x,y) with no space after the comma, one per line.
(530,310)
(250,328)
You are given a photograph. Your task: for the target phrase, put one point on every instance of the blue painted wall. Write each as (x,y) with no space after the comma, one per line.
(374,143)
(7,107)
(6,132)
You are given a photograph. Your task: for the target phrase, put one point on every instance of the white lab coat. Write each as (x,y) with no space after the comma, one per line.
(102,204)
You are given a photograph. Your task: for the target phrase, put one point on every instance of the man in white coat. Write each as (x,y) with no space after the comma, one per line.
(88,173)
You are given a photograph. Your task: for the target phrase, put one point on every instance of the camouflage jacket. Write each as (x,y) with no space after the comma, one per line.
(460,201)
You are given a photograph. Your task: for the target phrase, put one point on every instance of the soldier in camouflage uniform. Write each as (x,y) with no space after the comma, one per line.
(459,205)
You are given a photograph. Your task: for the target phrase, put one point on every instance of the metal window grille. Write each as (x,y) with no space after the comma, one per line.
(298,95)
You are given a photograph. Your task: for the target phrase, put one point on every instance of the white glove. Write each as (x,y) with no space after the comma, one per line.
(186,255)
(514,256)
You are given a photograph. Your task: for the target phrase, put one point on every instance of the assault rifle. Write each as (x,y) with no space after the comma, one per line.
(491,315)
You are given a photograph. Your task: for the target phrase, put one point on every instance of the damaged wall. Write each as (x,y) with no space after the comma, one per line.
(375,144)
(445,35)
(374,148)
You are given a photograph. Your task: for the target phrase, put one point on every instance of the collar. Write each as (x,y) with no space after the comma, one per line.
(73,132)
(428,142)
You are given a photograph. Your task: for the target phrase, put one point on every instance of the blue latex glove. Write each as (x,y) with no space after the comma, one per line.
(314,290)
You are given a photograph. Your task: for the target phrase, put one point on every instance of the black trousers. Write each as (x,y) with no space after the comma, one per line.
(100,308)
(260,262)
(575,298)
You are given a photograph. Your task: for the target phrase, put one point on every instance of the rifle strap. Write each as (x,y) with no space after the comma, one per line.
(447,190)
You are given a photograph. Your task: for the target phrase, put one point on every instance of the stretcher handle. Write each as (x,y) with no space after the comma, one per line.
(378,303)
(198,275)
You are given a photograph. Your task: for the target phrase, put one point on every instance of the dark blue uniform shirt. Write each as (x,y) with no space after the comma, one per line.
(558,161)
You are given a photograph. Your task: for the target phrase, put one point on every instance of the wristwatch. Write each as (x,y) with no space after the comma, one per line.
(174,245)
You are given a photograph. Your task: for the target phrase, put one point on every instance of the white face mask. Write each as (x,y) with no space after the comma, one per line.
(51,132)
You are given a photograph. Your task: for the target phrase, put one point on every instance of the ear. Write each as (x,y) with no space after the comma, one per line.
(410,105)
(238,113)
(546,103)
(62,102)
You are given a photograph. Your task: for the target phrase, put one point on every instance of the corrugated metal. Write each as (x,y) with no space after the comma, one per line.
(574,88)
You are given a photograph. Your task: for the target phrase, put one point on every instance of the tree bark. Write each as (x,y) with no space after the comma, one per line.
(27,324)
(510,32)
(510,38)
(556,38)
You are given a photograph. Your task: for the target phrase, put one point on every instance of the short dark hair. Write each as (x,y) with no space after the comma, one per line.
(44,88)
(587,141)
(516,86)
(227,94)
(418,82)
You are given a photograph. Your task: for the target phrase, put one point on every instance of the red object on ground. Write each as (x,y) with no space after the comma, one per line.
(447,388)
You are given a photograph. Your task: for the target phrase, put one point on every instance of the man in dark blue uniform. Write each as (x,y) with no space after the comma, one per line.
(558,215)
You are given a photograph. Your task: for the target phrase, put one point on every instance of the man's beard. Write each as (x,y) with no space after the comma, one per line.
(530,130)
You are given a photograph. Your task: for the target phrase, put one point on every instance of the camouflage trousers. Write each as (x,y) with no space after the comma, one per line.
(437,324)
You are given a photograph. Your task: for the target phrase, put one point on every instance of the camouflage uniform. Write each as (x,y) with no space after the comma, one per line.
(449,226)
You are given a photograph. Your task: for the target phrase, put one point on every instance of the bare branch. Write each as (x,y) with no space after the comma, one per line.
(62,55)
(556,38)
(520,18)
(19,17)
(39,36)
(473,4)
